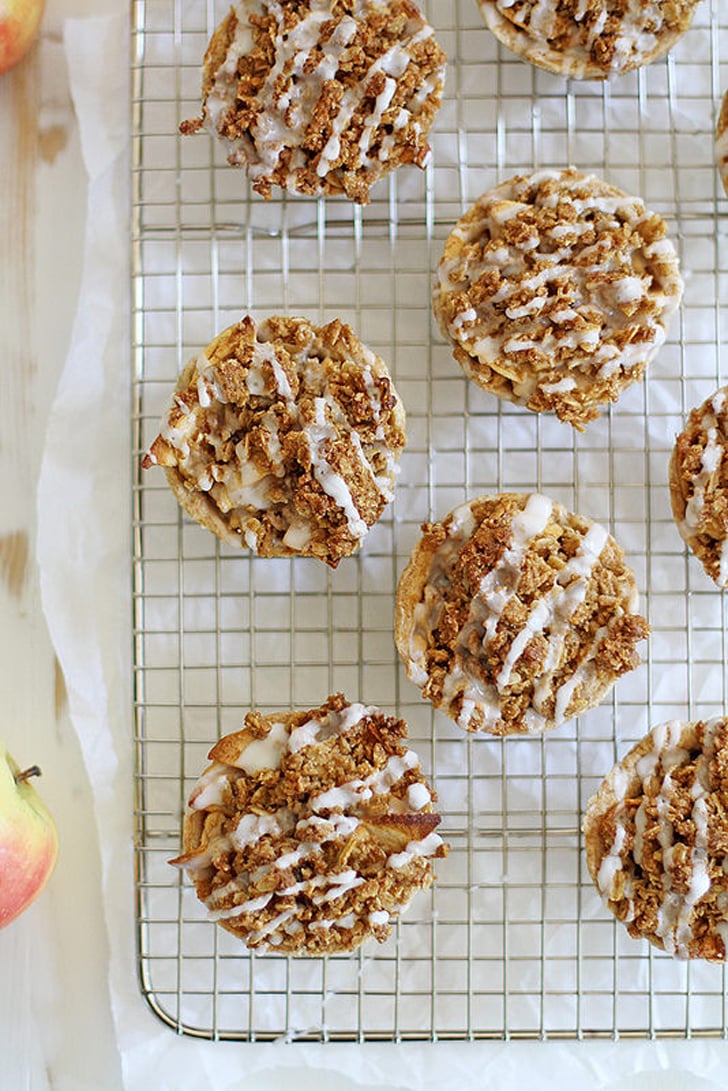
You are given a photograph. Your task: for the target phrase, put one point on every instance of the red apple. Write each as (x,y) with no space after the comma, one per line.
(19,23)
(28,839)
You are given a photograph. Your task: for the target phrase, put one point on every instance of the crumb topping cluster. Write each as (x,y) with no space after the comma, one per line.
(291,432)
(699,485)
(311,831)
(517,615)
(591,38)
(662,840)
(322,96)
(554,290)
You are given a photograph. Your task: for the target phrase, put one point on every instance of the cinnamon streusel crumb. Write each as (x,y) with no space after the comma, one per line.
(699,485)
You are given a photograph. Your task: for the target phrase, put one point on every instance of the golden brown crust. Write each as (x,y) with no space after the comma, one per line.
(723,116)
(199,506)
(514,615)
(606,798)
(591,39)
(721,143)
(284,438)
(698,479)
(411,586)
(656,837)
(555,290)
(311,831)
(356,89)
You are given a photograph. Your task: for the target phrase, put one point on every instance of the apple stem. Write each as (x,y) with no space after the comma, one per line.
(33,771)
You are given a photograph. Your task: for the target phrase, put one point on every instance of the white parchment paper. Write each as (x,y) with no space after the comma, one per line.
(84,555)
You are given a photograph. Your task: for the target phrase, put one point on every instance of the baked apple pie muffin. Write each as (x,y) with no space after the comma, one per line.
(588,39)
(321,97)
(515,615)
(555,291)
(656,839)
(284,437)
(699,485)
(310,832)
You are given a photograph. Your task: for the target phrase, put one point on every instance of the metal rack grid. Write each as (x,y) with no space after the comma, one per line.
(512,940)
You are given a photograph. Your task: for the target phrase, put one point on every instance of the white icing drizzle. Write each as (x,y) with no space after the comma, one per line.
(561,387)
(331,482)
(709,464)
(335,723)
(612,862)
(426,614)
(496,590)
(418,796)
(723,564)
(555,611)
(210,788)
(272,926)
(251,828)
(378,917)
(338,885)
(394,62)
(265,753)
(354,792)
(252,905)
(566,597)
(342,827)
(427,846)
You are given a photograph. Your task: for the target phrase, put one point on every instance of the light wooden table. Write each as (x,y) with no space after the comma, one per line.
(54,1007)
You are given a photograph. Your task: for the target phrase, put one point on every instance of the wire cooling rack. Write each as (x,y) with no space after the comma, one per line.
(512,940)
